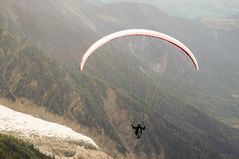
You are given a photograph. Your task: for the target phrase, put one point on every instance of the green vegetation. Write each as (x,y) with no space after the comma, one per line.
(12,148)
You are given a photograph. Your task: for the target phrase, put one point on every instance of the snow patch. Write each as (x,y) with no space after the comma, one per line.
(27,125)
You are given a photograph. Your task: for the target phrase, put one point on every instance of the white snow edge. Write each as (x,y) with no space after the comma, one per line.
(12,121)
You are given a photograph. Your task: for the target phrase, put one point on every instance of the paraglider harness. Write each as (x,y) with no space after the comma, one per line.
(138,128)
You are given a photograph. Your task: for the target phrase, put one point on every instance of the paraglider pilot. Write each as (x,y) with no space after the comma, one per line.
(138,128)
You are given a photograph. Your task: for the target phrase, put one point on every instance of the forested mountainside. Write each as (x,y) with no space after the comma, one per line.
(30,74)
(15,148)
(43,68)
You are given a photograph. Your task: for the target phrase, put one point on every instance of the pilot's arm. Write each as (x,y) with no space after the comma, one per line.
(132,124)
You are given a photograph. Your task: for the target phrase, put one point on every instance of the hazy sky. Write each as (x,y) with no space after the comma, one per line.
(191,8)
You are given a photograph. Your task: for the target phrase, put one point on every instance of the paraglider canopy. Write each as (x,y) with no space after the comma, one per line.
(138,32)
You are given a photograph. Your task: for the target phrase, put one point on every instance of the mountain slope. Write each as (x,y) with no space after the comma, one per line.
(33,76)
(175,128)
(181,125)
(15,148)
(212,87)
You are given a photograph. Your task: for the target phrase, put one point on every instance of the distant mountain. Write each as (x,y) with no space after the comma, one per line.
(99,98)
(189,8)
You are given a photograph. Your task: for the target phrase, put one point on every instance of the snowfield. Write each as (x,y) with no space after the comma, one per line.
(29,126)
